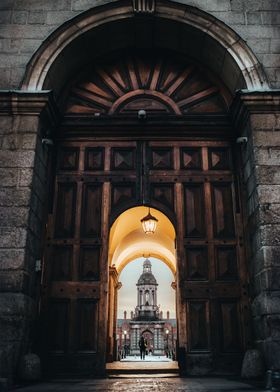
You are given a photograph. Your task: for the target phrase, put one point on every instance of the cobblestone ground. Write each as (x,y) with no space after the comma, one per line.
(138,384)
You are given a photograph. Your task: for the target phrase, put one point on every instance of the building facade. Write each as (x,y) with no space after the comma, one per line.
(147,321)
(75,155)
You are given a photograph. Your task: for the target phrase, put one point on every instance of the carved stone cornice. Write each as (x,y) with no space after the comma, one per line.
(144,6)
(27,103)
(115,277)
(248,102)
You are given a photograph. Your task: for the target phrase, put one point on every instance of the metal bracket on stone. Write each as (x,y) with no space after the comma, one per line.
(144,6)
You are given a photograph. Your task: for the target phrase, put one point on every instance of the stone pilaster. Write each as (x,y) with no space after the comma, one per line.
(257,116)
(25,118)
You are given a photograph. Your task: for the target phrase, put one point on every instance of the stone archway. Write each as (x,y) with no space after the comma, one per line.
(220,48)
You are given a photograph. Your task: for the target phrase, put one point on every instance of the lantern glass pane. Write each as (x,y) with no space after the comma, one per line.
(149,226)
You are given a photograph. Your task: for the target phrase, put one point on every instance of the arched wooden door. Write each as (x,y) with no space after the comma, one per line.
(179,159)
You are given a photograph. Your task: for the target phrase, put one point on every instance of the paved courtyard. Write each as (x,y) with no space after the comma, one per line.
(148,358)
(139,384)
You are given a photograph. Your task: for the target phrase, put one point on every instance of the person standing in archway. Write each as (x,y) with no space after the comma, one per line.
(142,347)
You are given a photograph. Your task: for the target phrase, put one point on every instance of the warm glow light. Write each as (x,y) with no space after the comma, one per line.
(128,240)
(167,332)
(149,223)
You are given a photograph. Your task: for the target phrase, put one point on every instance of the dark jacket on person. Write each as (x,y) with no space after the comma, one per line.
(142,344)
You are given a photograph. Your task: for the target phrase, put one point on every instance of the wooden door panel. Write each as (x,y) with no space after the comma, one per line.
(191,158)
(223,219)
(197,263)
(198,317)
(91,210)
(86,325)
(89,268)
(66,210)
(219,158)
(163,193)
(123,158)
(94,158)
(161,158)
(123,193)
(226,267)
(58,321)
(62,263)
(194,211)
(229,326)
(69,158)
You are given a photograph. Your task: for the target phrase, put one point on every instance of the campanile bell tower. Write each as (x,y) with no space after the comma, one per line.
(147,308)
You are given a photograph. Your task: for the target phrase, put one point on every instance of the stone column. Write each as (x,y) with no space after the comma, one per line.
(257,117)
(25,119)
(114,286)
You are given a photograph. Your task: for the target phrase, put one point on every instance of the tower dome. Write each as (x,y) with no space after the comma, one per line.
(147,276)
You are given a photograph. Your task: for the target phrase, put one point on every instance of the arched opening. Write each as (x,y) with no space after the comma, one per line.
(185,29)
(146,307)
(128,242)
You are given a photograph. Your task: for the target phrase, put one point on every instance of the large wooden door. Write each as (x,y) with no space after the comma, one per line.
(179,160)
(194,180)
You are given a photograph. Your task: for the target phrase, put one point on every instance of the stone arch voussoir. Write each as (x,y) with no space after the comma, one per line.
(38,74)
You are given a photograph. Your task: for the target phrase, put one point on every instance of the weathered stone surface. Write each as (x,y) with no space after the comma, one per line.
(30,367)
(267,138)
(19,17)
(272,353)
(266,304)
(17,158)
(269,278)
(5,16)
(269,193)
(266,257)
(268,156)
(37,17)
(254,5)
(8,177)
(270,235)
(12,258)
(269,213)
(14,281)
(199,365)
(55,18)
(253,364)
(8,359)
(15,196)
(11,237)
(268,174)
(14,216)
(41,5)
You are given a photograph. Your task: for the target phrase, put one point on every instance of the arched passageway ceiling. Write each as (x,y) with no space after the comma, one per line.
(113,26)
(128,241)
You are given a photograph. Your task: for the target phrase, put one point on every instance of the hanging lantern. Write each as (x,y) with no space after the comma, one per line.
(149,223)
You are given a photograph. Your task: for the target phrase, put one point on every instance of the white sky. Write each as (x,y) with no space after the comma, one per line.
(127,295)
